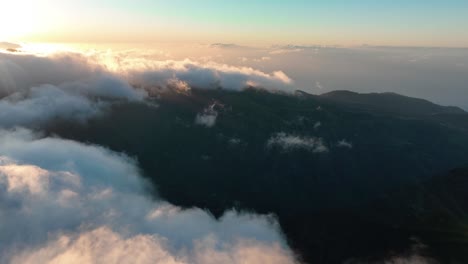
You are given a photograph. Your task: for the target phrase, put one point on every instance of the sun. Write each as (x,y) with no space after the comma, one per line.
(18,19)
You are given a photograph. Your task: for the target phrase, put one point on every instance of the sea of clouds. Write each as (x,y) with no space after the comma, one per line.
(63,201)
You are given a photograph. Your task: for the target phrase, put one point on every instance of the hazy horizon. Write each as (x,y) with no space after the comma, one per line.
(435,74)
(387,23)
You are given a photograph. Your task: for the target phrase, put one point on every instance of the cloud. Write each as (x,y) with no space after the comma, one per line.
(107,247)
(262,59)
(179,86)
(9,45)
(319,85)
(21,72)
(344,144)
(234,141)
(64,201)
(75,100)
(206,76)
(206,119)
(45,103)
(102,245)
(285,51)
(208,116)
(61,200)
(70,71)
(226,46)
(317,125)
(38,89)
(153,73)
(290,142)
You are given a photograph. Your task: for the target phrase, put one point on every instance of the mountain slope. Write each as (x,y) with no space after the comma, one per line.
(327,170)
(391,103)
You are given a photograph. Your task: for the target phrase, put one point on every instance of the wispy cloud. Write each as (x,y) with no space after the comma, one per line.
(290,142)
(208,116)
(319,85)
(344,144)
(285,51)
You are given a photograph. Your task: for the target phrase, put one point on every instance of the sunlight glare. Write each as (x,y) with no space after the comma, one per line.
(17,19)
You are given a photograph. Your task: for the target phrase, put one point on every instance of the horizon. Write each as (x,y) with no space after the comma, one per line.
(436,74)
(128,44)
(386,23)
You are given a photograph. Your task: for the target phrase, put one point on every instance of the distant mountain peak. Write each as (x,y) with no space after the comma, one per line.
(391,103)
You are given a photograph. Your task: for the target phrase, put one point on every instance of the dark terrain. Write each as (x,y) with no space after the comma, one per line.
(392,188)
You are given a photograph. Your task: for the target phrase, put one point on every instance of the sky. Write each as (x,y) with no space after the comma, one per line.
(253,22)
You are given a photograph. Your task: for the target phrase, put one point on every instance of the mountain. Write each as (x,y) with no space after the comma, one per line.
(438,208)
(391,103)
(347,177)
(401,106)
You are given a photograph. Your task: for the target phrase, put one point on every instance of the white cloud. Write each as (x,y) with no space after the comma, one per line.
(226,46)
(100,245)
(103,245)
(63,201)
(35,89)
(262,59)
(208,116)
(206,119)
(317,125)
(20,72)
(154,73)
(234,141)
(44,103)
(285,51)
(179,86)
(208,75)
(290,142)
(319,85)
(344,144)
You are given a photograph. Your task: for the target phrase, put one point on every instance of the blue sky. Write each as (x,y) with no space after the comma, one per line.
(397,22)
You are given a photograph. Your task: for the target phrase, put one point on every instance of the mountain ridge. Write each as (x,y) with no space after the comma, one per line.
(280,153)
(392,102)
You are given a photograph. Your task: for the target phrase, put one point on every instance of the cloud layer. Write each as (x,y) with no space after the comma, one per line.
(64,201)
(206,76)
(35,88)
(290,142)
